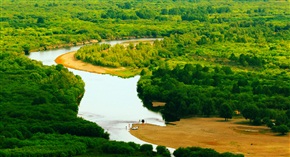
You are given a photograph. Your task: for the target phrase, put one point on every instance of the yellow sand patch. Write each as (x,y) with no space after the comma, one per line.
(157,103)
(254,141)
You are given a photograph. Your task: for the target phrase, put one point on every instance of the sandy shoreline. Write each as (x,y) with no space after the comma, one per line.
(69,61)
(217,134)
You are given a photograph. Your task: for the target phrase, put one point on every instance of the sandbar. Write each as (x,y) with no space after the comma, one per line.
(231,136)
(69,61)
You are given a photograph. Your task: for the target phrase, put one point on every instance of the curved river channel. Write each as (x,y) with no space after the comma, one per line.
(110,101)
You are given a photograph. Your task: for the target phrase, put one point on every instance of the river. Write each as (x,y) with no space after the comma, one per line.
(109,101)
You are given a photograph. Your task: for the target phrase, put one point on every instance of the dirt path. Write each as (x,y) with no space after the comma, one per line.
(256,141)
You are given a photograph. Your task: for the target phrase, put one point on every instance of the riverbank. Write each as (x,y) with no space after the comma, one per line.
(69,61)
(58,46)
(215,133)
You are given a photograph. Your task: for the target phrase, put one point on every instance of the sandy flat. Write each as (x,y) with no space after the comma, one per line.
(215,133)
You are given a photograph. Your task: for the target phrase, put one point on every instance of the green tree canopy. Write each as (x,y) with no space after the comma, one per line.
(226,111)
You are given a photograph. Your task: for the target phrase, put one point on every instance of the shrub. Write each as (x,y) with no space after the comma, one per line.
(114,147)
(283,129)
(182,152)
(163,151)
(10,143)
(257,121)
(134,145)
(196,151)
(146,148)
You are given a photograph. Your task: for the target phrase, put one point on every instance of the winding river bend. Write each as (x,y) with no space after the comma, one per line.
(110,101)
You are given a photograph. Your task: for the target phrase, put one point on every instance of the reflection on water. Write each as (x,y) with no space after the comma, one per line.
(110,101)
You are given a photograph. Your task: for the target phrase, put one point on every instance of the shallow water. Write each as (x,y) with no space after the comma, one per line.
(110,101)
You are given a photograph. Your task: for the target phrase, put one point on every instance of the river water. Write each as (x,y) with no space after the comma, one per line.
(110,101)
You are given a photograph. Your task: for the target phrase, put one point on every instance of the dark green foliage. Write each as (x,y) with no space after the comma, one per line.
(80,128)
(59,67)
(282,118)
(228,154)
(208,107)
(203,40)
(118,148)
(190,90)
(250,112)
(163,151)
(247,59)
(257,121)
(268,122)
(204,152)
(170,116)
(44,145)
(26,49)
(236,88)
(145,14)
(34,107)
(283,129)
(146,148)
(118,14)
(226,111)
(288,113)
(40,20)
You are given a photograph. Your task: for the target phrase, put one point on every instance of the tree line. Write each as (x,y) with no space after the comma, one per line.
(195,90)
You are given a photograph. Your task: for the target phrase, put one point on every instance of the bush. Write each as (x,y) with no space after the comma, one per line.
(134,145)
(283,129)
(182,152)
(227,154)
(257,121)
(114,147)
(4,153)
(196,151)
(146,148)
(163,151)
(10,143)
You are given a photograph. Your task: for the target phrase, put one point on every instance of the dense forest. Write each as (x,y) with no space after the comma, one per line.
(215,57)
(37,25)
